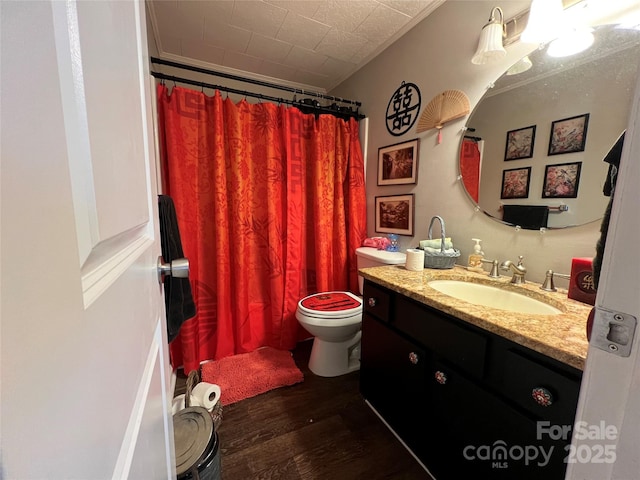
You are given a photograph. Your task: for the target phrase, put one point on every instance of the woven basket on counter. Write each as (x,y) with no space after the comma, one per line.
(441,259)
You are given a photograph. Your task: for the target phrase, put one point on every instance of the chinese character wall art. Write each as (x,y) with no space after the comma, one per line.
(561,181)
(515,183)
(403,109)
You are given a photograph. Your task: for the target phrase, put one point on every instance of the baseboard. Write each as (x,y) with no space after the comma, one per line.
(400,439)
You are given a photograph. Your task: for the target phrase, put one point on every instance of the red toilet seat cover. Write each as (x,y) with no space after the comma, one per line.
(331,302)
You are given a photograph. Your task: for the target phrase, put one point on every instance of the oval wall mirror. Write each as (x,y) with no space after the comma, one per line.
(533,152)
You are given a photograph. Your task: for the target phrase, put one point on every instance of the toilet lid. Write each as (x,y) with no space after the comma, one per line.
(331,304)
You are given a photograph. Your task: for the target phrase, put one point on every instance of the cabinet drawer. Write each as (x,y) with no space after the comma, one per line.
(377,301)
(461,346)
(523,375)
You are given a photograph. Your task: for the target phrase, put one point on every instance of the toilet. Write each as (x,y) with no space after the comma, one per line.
(335,318)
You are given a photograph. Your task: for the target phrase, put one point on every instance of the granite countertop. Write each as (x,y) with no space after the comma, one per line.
(562,336)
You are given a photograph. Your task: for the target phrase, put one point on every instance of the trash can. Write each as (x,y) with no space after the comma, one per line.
(196,444)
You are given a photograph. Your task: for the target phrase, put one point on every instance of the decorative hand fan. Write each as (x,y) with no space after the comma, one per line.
(444,107)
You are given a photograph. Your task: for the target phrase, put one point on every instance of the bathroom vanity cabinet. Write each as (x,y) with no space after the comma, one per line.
(469,403)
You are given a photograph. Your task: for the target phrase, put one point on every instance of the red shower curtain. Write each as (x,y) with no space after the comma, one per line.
(271,207)
(470,167)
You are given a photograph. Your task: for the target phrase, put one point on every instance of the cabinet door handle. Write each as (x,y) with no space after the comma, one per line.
(440,377)
(542,396)
(372,302)
(413,358)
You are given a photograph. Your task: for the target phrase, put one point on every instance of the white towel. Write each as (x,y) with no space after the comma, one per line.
(436,243)
(437,250)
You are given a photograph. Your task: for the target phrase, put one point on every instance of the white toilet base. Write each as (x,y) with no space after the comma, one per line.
(332,359)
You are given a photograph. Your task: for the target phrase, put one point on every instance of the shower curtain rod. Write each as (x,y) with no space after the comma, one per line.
(262,83)
(306,107)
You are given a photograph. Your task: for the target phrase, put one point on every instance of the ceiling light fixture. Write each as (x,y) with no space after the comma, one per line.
(577,35)
(490,44)
(520,66)
(571,43)
(545,21)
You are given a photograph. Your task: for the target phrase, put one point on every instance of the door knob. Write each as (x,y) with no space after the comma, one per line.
(178,268)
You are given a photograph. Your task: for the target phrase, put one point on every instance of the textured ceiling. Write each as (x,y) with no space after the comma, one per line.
(314,44)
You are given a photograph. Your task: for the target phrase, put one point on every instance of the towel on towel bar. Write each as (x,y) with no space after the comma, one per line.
(177,291)
(529,217)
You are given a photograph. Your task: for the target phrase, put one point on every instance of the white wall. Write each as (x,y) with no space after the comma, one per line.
(151,39)
(435,55)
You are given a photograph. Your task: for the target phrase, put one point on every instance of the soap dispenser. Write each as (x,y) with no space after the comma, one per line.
(475,259)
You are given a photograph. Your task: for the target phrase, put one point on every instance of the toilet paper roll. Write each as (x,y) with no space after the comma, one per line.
(415,260)
(206,394)
(178,403)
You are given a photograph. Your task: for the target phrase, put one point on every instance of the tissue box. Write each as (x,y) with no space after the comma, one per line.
(581,286)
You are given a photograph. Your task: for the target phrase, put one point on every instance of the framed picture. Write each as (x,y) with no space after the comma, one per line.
(561,181)
(520,143)
(568,135)
(398,164)
(515,183)
(394,214)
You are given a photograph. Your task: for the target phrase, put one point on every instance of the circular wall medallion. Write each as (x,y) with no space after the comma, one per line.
(403,109)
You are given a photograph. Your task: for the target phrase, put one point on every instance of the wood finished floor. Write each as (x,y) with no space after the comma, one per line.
(318,429)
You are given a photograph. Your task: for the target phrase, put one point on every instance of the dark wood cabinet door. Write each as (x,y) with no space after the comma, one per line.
(392,379)
(484,436)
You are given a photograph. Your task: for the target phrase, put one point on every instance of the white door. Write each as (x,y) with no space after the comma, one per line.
(85,372)
(606,444)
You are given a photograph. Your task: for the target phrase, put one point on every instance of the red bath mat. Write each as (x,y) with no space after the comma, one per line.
(249,374)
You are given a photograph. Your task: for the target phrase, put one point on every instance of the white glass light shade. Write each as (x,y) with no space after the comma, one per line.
(545,21)
(490,45)
(522,65)
(571,43)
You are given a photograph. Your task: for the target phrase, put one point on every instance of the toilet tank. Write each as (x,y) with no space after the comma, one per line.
(372,257)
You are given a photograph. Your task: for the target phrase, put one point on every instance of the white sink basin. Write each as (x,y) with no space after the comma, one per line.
(493,297)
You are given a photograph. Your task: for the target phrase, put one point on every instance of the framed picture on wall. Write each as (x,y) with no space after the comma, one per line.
(515,183)
(561,181)
(394,214)
(398,164)
(520,143)
(568,135)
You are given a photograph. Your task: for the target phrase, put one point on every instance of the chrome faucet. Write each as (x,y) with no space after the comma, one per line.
(494,268)
(518,270)
(548,284)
